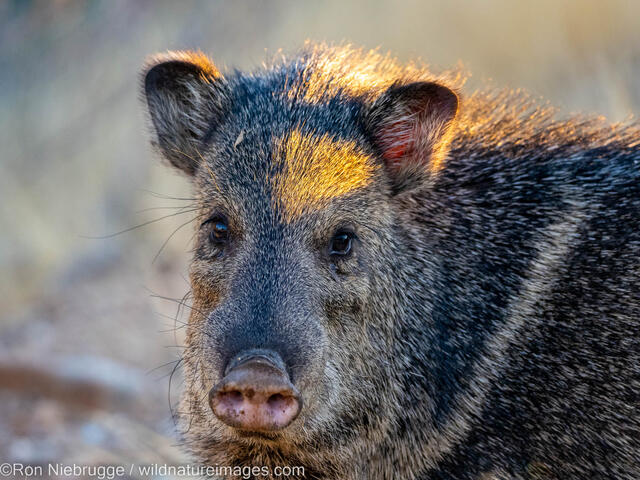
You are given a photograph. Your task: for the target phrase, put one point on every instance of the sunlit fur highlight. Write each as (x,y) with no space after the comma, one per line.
(356,72)
(208,70)
(313,170)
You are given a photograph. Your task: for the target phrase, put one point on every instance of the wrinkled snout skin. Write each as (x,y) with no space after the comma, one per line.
(256,394)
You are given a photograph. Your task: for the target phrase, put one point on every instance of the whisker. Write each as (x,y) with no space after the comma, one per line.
(185,279)
(162,366)
(185,297)
(174,329)
(173,371)
(138,226)
(166,197)
(174,320)
(165,208)
(164,244)
(169,299)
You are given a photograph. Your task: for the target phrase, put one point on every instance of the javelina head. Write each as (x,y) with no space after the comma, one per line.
(298,273)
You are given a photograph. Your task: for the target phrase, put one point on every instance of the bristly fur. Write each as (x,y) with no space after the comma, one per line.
(486,324)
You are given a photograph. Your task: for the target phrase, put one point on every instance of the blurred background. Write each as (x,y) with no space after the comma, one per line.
(90,324)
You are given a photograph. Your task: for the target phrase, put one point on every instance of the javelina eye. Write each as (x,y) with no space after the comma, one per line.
(340,243)
(219,233)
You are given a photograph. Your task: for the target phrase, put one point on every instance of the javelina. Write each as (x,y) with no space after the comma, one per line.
(392,283)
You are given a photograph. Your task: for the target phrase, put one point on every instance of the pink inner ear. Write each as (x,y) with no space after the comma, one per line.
(397,139)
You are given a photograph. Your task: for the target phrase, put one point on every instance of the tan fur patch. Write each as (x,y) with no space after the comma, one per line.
(316,169)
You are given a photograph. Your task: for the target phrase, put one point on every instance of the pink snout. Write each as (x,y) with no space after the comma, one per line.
(256,395)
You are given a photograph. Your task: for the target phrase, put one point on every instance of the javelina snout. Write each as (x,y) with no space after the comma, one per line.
(256,393)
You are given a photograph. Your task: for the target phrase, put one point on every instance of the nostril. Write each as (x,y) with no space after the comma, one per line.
(231,397)
(277,401)
(283,407)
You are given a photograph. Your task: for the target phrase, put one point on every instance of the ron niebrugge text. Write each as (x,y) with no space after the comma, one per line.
(112,472)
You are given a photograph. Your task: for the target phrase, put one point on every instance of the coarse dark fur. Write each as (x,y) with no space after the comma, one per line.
(487,322)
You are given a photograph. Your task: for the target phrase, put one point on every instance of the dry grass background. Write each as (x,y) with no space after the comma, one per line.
(74,163)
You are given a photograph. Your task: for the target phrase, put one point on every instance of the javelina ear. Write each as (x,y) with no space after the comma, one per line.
(184,96)
(412,125)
